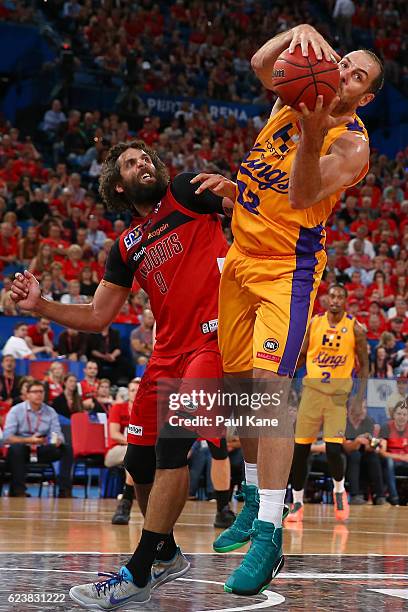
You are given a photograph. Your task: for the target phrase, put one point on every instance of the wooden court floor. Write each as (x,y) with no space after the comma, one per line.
(48,545)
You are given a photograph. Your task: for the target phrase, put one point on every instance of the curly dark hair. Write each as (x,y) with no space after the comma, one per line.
(110,175)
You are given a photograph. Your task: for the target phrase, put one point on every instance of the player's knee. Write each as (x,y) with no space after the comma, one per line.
(172,448)
(140,462)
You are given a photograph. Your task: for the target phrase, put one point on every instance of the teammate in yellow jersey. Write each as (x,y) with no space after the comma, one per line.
(286,188)
(331,345)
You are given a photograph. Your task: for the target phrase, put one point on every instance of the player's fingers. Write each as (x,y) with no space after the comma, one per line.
(207,184)
(200,177)
(304,43)
(293,44)
(331,55)
(304,110)
(18,292)
(319,103)
(317,49)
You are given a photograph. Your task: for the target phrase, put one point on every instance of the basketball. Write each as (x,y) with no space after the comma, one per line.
(299,79)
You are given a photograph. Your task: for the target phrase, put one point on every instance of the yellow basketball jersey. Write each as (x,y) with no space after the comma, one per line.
(264,224)
(330,357)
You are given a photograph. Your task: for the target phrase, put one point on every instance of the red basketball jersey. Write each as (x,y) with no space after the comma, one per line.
(176,255)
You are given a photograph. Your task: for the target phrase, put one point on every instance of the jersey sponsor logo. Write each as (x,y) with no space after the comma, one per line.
(159,253)
(135,430)
(274,358)
(139,254)
(271,345)
(209,327)
(324,360)
(331,340)
(133,237)
(156,233)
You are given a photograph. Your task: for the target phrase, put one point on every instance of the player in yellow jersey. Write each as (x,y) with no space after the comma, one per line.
(286,188)
(331,345)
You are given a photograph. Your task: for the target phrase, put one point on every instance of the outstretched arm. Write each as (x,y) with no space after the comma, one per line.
(93,317)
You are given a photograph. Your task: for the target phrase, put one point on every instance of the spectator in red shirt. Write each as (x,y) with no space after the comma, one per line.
(374,327)
(8,245)
(88,387)
(371,189)
(54,382)
(40,336)
(380,291)
(149,133)
(72,266)
(58,244)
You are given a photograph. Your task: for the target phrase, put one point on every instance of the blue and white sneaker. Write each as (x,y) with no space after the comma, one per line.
(165,571)
(116,591)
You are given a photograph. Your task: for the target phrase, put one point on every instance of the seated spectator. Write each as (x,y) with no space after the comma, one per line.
(43,261)
(400,309)
(72,345)
(8,245)
(400,361)
(9,385)
(72,266)
(74,296)
(127,315)
(88,387)
(58,283)
(141,339)
(45,285)
(22,389)
(87,284)
(28,246)
(32,426)
(95,237)
(40,337)
(54,118)
(53,382)
(381,291)
(381,366)
(104,348)
(363,461)
(394,448)
(399,395)
(118,422)
(69,401)
(103,395)
(16,345)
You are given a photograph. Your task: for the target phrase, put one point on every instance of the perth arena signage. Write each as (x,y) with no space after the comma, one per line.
(166,106)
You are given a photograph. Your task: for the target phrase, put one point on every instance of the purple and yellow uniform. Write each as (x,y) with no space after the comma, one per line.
(330,361)
(273,269)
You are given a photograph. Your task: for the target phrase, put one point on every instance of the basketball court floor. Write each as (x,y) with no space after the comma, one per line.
(47,545)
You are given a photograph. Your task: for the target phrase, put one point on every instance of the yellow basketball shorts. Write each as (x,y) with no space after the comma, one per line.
(317,409)
(265,307)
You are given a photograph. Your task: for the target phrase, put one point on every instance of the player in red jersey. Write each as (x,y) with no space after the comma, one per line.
(175,254)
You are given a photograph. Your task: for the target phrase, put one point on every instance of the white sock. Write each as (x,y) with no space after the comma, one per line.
(271,506)
(338,485)
(297,496)
(251,474)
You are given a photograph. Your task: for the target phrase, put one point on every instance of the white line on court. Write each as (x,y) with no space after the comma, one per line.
(130,552)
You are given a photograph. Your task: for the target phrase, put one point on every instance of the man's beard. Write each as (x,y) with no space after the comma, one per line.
(147,195)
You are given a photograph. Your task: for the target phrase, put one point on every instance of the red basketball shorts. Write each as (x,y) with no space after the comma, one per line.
(202,363)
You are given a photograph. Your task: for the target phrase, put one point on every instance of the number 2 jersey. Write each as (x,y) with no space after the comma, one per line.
(176,255)
(330,358)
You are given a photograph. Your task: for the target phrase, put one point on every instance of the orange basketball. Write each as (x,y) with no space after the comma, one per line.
(301,79)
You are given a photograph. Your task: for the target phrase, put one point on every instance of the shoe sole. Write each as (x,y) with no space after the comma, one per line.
(264,586)
(93,606)
(231,547)
(171,577)
(120,522)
